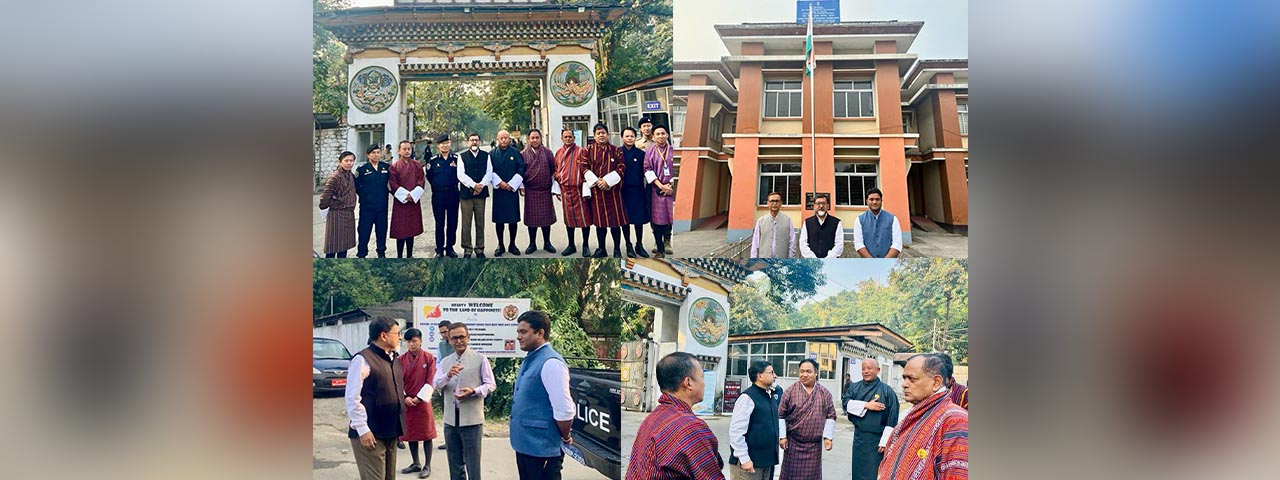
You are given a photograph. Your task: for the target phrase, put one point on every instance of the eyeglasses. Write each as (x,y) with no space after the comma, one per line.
(458,337)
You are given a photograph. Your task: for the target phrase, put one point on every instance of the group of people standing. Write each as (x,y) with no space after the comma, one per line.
(787,431)
(616,189)
(389,399)
(876,233)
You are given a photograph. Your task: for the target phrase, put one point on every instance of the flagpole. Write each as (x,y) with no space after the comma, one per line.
(813,114)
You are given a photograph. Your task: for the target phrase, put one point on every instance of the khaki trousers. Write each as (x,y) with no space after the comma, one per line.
(376,464)
(471,212)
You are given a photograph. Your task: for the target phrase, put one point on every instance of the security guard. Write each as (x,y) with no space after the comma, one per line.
(371,188)
(442,174)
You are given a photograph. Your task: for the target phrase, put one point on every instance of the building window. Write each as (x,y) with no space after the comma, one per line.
(854,99)
(962,109)
(714,129)
(785,358)
(783,178)
(853,181)
(677,120)
(782,99)
(906,123)
(365,138)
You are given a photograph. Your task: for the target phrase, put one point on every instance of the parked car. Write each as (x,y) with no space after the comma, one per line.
(597,433)
(329,361)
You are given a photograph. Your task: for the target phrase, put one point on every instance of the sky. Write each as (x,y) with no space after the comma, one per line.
(845,274)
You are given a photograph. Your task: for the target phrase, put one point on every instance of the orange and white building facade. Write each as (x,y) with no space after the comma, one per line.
(875,117)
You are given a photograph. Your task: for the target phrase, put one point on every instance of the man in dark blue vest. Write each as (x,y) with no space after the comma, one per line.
(375,400)
(442,174)
(541,407)
(753,428)
(821,236)
(474,193)
(371,188)
(877,233)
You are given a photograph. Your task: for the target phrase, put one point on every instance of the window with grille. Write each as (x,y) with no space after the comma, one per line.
(853,181)
(854,99)
(783,178)
(783,99)
(677,119)
(962,109)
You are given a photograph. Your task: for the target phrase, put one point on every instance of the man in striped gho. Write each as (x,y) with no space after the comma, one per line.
(673,443)
(932,441)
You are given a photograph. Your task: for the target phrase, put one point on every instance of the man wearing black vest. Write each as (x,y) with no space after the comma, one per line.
(753,428)
(821,236)
(375,401)
(474,176)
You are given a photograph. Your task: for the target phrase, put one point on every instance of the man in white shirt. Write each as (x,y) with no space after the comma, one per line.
(464,379)
(753,428)
(541,407)
(375,401)
(822,235)
(773,236)
(877,233)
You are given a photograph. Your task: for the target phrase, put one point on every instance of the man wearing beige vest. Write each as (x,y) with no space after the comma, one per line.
(464,378)
(773,236)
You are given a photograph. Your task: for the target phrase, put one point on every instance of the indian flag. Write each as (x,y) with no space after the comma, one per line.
(809,62)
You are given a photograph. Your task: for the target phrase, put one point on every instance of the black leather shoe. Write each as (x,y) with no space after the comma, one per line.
(513,250)
(617,252)
(467,255)
(586,251)
(499,252)
(532,248)
(426,472)
(400,445)
(549,248)
(441,447)
(600,253)
(640,251)
(411,469)
(631,252)
(479,254)
(569,250)
(451,254)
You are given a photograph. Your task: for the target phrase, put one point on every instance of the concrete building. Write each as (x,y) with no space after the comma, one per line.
(838,350)
(650,97)
(875,117)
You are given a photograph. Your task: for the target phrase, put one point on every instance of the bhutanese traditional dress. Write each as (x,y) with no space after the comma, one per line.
(635,191)
(658,164)
(339,196)
(539,170)
(959,394)
(673,443)
(604,161)
(931,443)
(419,369)
(508,166)
(406,217)
(870,427)
(810,417)
(569,173)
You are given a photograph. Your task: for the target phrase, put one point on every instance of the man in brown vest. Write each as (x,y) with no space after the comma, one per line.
(375,399)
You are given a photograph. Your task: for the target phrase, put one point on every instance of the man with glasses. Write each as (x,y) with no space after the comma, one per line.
(375,399)
(464,379)
(773,236)
(753,429)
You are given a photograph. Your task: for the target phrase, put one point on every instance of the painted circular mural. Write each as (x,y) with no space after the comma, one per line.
(708,322)
(573,84)
(373,89)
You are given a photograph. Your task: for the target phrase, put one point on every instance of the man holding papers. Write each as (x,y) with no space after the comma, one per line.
(605,168)
(419,422)
(407,182)
(873,408)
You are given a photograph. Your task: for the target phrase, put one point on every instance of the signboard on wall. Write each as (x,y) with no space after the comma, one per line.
(732,389)
(708,404)
(652,105)
(824,11)
(490,321)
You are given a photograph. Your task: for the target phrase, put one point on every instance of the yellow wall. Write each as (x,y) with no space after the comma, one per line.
(781,126)
(710,170)
(856,126)
(964,141)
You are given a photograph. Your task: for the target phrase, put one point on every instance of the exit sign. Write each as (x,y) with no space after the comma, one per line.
(654,105)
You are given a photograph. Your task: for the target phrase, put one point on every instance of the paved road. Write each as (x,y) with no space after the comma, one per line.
(836,464)
(690,244)
(331,457)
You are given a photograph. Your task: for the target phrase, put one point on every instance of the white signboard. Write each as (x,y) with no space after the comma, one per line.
(707,405)
(490,321)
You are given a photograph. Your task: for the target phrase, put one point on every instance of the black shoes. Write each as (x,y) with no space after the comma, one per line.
(569,250)
(640,251)
(426,472)
(586,251)
(499,252)
(513,250)
(532,248)
(549,248)
(466,255)
(411,468)
(479,254)
(600,253)
(451,254)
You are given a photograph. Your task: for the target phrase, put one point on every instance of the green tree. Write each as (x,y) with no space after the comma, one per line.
(792,280)
(350,283)
(509,103)
(450,106)
(328,70)
(750,308)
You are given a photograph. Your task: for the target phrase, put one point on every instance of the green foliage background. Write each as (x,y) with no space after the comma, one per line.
(579,295)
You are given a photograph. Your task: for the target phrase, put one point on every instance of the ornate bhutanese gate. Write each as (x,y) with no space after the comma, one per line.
(443,39)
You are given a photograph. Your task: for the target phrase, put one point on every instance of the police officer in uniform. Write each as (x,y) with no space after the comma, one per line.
(442,174)
(372,189)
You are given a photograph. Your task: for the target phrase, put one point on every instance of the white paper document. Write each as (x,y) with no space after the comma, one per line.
(402,195)
(425,393)
(416,193)
(856,408)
